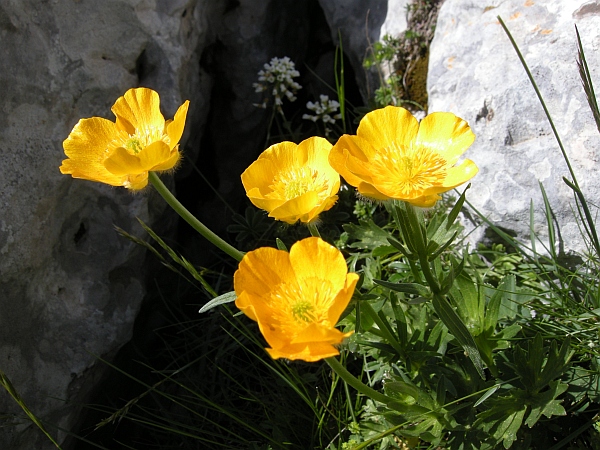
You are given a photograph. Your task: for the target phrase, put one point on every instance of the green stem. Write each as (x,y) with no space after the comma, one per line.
(6,384)
(356,383)
(313,229)
(189,218)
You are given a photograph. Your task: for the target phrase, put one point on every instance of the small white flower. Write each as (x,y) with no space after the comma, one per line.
(279,73)
(325,110)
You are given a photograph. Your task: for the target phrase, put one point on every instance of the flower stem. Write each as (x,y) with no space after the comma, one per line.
(356,383)
(189,218)
(313,230)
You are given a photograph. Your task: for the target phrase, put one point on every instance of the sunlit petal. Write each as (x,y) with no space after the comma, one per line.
(122,153)
(394,157)
(175,128)
(121,162)
(447,134)
(296,297)
(312,352)
(293,182)
(137,109)
(86,148)
(154,155)
(388,125)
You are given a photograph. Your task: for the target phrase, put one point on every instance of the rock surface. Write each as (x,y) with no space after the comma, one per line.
(475,73)
(360,24)
(71,287)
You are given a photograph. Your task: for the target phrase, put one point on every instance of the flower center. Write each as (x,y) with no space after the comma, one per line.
(410,169)
(303,310)
(297,182)
(135,143)
(297,304)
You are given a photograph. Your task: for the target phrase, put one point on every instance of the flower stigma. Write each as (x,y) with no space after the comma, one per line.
(411,168)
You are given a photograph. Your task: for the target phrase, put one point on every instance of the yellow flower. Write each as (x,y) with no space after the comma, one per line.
(394,157)
(296,297)
(293,181)
(122,153)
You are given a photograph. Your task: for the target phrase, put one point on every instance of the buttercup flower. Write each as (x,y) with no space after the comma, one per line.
(296,297)
(392,156)
(293,181)
(122,153)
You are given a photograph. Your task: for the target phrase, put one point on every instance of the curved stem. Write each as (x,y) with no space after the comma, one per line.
(355,382)
(189,218)
(313,230)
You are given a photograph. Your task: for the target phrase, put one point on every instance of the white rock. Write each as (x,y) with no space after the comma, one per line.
(475,73)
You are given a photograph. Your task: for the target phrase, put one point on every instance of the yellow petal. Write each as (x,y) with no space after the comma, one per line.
(137,182)
(296,209)
(257,199)
(175,128)
(86,149)
(370,191)
(317,153)
(244,303)
(121,162)
(341,301)
(286,155)
(387,126)
(312,258)
(260,270)
(259,175)
(445,133)
(426,201)
(306,352)
(138,109)
(170,162)
(317,333)
(455,176)
(156,154)
(346,147)
(460,174)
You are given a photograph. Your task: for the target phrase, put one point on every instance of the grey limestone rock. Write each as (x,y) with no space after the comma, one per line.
(475,73)
(70,287)
(361,23)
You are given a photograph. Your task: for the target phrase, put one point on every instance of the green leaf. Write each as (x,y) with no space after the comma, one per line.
(220,300)
(504,417)
(367,234)
(469,302)
(545,403)
(457,207)
(459,330)
(508,429)
(384,250)
(384,327)
(491,391)
(281,245)
(505,288)
(407,288)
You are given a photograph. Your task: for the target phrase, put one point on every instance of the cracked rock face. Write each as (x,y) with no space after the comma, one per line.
(70,285)
(475,73)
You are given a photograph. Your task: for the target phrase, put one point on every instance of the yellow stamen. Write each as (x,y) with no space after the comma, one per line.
(411,168)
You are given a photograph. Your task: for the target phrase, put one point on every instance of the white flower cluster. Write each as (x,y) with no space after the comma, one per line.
(278,76)
(324,110)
